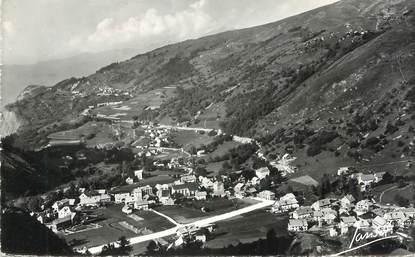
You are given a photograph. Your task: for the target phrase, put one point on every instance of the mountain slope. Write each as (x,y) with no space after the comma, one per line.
(333,86)
(16,77)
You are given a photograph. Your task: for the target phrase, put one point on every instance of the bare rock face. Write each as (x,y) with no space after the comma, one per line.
(8,123)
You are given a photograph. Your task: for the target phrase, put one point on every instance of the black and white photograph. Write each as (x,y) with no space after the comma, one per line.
(207,127)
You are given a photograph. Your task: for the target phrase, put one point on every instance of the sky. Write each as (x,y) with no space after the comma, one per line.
(39,30)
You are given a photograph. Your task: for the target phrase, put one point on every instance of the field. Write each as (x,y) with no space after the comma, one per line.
(208,118)
(247,228)
(111,228)
(223,149)
(386,193)
(190,213)
(214,167)
(127,110)
(187,139)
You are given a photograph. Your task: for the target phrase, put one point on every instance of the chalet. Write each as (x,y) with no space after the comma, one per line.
(138,174)
(188,178)
(328,215)
(396,217)
(261,173)
(59,204)
(345,223)
(218,188)
(93,198)
(205,182)
(362,207)
(285,203)
(141,205)
(343,171)
(59,224)
(267,195)
(187,190)
(323,203)
(303,212)
(200,195)
(347,201)
(147,190)
(365,180)
(297,225)
(381,226)
(64,212)
(122,197)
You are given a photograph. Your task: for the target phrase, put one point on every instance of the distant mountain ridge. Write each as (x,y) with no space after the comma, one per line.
(47,73)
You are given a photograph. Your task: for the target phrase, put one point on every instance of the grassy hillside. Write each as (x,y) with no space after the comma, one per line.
(333,86)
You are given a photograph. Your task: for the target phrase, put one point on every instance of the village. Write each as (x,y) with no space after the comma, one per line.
(332,216)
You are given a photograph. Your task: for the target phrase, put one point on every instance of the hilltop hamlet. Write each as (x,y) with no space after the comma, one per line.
(290,138)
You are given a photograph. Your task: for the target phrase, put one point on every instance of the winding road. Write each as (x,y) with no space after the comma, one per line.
(199,223)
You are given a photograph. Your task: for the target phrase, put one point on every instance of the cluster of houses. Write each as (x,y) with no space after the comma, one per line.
(338,216)
(365,180)
(63,213)
(244,188)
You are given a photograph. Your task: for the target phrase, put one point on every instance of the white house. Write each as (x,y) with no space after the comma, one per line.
(303,212)
(93,198)
(190,178)
(139,174)
(362,207)
(342,171)
(347,201)
(218,189)
(141,205)
(381,226)
(261,173)
(129,181)
(64,212)
(286,203)
(345,223)
(200,195)
(297,225)
(267,195)
(59,204)
(122,197)
(323,203)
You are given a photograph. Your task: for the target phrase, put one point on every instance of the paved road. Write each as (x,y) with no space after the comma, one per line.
(199,223)
(384,191)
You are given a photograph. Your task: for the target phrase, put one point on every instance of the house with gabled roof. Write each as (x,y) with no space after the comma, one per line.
(345,223)
(188,189)
(323,203)
(381,226)
(299,225)
(302,212)
(347,201)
